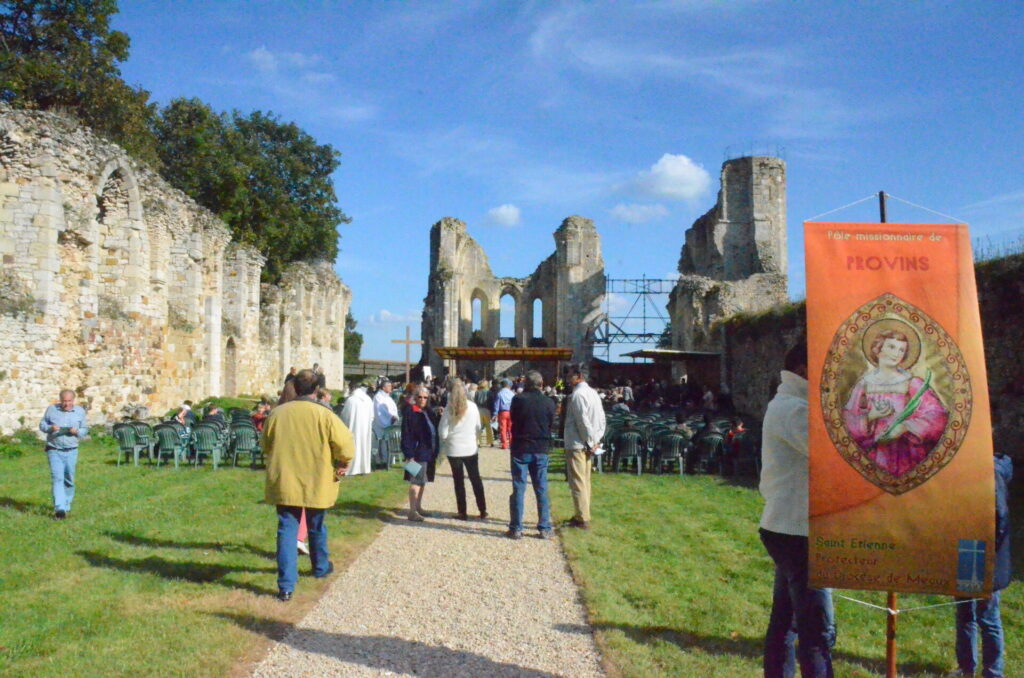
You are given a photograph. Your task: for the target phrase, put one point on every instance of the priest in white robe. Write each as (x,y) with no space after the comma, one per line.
(358,416)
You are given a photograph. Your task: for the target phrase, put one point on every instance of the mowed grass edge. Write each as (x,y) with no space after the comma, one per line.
(157,571)
(676,583)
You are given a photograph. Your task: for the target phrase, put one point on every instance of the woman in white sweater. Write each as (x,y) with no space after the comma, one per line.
(458,430)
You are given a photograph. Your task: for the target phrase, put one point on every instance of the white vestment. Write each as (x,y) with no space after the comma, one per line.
(358,416)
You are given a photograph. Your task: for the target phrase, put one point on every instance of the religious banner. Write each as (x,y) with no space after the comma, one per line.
(901,470)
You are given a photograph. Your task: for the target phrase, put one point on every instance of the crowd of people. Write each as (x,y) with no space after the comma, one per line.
(310,443)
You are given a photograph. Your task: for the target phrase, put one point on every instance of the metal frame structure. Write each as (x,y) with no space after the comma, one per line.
(649,297)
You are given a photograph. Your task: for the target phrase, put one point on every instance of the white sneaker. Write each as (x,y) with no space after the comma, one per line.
(303,549)
(415,517)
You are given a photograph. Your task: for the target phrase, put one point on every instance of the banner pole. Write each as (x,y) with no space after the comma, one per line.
(890,601)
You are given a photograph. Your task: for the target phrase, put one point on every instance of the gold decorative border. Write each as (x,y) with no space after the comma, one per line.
(847,339)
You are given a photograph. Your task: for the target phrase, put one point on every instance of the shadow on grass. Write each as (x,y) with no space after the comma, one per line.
(741,646)
(25,506)
(745,481)
(197,573)
(384,653)
(137,540)
(361,509)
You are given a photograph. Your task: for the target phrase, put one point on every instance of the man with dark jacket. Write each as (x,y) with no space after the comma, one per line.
(533,415)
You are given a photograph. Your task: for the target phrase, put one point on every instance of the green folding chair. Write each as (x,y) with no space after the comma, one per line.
(127,442)
(169,443)
(245,439)
(206,440)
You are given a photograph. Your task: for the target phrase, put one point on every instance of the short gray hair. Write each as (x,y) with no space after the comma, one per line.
(534,380)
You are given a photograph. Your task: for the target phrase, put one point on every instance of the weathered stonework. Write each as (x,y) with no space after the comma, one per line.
(124,289)
(734,257)
(570,284)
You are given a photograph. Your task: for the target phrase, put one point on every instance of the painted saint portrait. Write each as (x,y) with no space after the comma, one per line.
(895,394)
(895,417)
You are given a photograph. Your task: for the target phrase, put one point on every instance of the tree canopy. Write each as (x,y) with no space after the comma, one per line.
(267,179)
(62,55)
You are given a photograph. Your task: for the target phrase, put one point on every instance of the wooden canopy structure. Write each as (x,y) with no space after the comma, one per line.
(503,353)
(488,354)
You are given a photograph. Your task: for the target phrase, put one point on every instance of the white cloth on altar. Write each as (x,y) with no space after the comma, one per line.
(358,416)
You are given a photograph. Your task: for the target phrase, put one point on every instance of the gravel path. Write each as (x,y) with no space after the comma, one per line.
(482,605)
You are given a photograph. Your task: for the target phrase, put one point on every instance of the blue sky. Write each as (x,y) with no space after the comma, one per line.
(513,115)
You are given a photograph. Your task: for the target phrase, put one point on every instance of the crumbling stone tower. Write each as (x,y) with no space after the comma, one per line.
(569,284)
(734,257)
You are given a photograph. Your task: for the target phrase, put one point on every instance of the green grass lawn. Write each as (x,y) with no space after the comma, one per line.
(677,583)
(152,568)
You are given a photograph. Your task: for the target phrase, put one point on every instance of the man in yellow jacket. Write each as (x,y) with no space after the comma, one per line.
(308,449)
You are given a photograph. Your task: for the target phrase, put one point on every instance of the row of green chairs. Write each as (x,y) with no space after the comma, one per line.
(171,439)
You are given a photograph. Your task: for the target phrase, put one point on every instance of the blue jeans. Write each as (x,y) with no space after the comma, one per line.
(287,542)
(969,617)
(799,614)
(62,475)
(537,466)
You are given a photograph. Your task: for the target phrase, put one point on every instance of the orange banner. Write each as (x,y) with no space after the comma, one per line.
(901,471)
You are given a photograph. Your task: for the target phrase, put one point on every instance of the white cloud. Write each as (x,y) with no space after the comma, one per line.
(674,177)
(504,215)
(634,213)
(270,62)
(386,317)
(1013,198)
(298,76)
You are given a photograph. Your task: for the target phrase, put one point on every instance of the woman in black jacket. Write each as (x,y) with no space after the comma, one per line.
(419,444)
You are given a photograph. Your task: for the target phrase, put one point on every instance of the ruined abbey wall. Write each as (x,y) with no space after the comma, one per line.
(734,256)
(570,284)
(122,288)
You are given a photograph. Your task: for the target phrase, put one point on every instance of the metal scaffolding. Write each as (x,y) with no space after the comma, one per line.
(645,317)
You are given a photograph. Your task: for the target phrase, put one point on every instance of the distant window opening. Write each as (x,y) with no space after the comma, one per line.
(477,315)
(507,324)
(538,318)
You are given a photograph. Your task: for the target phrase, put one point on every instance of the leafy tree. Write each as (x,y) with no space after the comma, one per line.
(268,180)
(200,150)
(290,212)
(62,55)
(353,340)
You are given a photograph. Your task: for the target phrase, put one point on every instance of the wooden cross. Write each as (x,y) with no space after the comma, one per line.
(408,341)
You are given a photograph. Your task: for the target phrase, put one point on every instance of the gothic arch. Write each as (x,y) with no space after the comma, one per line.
(121,243)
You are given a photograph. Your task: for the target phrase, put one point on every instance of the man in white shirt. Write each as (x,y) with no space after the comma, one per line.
(358,416)
(584,430)
(385,413)
(784,534)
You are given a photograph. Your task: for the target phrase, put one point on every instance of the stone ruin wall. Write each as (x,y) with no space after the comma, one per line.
(734,256)
(122,288)
(570,284)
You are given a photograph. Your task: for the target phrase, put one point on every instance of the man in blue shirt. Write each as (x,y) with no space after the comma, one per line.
(64,425)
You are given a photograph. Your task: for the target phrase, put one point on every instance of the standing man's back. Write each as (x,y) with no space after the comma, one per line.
(307,449)
(532,415)
(784,534)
